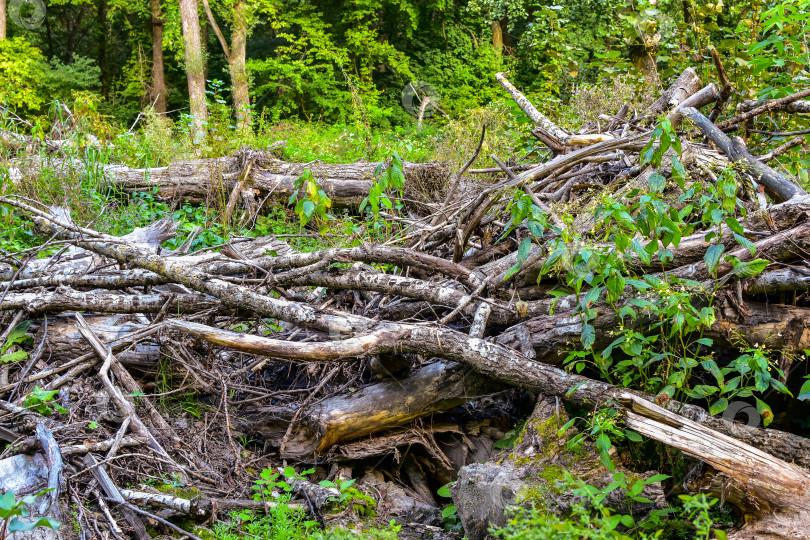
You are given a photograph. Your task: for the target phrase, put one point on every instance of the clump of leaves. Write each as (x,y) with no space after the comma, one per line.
(315,204)
(11,509)
(42,402)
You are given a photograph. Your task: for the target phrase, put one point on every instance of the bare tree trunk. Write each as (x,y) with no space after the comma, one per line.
(158,95)
(2,19)
(497,36)
(194,62)
(235,53)
(236,62)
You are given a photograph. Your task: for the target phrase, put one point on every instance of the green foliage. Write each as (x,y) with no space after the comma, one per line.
(11,510)
(281,523)
(351,498)
(589,518)
(450,517)
(17,337)
(22,74)
(42,401)
(389,181)
(314,204)
(659,346)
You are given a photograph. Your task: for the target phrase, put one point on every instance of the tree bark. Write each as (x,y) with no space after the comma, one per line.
(771,494)
(437,387)
(2,19)
(194,64)
(497,36)
(157,97)
(778,187)
(236,63)
(235,54)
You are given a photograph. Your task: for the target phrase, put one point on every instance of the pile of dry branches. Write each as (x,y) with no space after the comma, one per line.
(326,359)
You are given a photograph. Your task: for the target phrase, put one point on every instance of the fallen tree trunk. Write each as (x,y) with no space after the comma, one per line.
(772,495)
(437,387)
(777,186)
(212,179)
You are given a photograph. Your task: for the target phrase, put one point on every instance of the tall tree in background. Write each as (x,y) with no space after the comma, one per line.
(235,54)
(2,19)
(158,93)
(194,62)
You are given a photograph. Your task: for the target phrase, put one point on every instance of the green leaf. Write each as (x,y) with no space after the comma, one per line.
(587,336)
(712,257)
(603,442)
(632,435)
(746,243)
(718,406)
(15,525)
(656,478)
(449,510)
(657,182)
(804,392)
(16,356)
(444,491)
(645,257)
(764,411)
(750,269)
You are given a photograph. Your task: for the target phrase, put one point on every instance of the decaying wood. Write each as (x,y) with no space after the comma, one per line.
(344,354)
(779,187)
(772,494)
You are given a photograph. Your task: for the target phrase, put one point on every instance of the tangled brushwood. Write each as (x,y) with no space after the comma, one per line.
(566,342)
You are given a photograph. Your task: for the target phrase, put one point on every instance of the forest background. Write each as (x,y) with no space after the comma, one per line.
(347,63)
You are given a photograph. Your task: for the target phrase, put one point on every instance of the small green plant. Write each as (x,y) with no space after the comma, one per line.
(42,402)
(389,181)
(315,204)
(270,482)
(16,337)
(11,509)
(349,496)
(450,518)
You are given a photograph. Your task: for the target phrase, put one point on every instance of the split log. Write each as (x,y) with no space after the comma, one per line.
(437,387)
(772,495)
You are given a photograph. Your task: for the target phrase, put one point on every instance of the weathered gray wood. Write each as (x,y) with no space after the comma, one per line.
(111,490)
(778,187)
(773,496)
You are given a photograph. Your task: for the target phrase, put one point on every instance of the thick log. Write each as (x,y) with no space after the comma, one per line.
(67,299)
(772,495)
(779,280)
(684,86)
(437,387)
(65,342)
(210,179)
(778,187)
(506,365)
